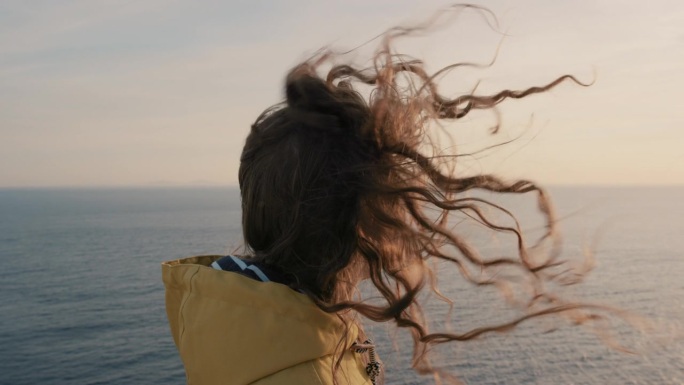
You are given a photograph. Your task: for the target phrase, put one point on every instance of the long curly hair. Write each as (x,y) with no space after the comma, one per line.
(338,187)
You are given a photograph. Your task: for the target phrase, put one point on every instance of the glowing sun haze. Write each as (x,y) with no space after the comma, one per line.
(145,93)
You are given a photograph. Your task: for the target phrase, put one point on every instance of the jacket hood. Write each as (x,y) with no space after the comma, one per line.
(229,326)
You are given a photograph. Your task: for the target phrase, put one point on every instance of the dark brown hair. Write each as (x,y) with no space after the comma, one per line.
(336,187)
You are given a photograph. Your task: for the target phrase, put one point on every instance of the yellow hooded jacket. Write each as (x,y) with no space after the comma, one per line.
(233,330)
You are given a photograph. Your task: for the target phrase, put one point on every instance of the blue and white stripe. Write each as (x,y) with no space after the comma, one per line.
(232,263)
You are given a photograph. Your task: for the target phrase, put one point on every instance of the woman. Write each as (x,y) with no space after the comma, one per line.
(336,188)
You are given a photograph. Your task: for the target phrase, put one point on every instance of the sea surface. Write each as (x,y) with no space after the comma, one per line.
(82,302)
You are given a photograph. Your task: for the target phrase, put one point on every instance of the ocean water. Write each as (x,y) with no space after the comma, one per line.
(82,302)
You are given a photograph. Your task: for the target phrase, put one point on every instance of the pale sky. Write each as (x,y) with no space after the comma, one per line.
(151,92)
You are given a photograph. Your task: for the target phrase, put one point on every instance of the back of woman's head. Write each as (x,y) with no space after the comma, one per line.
(337,187)
(302,177)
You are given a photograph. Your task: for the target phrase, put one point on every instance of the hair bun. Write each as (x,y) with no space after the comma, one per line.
(311,102)
(306,91)
(320,105)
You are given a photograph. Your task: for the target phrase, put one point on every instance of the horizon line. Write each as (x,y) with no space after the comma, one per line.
(235,185)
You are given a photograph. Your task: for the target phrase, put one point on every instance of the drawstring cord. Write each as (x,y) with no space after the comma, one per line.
(374,366)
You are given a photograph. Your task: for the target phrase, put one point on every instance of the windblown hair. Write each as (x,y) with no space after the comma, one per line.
(336,188)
